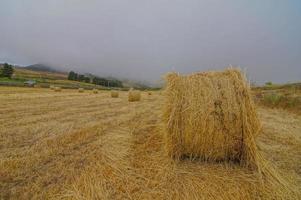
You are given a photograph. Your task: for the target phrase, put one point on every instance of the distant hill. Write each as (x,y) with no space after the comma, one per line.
(43,73)
(23,72)
(41,68)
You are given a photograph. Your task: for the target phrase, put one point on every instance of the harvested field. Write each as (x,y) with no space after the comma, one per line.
(54,146)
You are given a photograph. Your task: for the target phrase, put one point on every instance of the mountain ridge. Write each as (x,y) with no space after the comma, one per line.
(42,68)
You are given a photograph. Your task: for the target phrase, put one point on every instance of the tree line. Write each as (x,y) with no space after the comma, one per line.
(6,71)
(95,80)
(78,77)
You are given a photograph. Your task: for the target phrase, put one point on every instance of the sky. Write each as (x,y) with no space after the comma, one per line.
(144,39)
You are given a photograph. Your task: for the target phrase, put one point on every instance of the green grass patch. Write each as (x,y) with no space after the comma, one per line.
(282,101)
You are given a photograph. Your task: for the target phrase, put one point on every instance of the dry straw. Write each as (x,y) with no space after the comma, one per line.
(134,95)
(114,94)
(211,117)
(81,90)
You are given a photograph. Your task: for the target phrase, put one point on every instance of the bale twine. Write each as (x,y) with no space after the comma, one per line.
(81,90)
(57,89)
(211,116)
(134,95)
(114,94)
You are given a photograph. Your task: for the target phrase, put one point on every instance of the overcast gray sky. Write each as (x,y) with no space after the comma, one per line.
(143,39)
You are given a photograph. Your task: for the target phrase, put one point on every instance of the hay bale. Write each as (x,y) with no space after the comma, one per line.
(95,91)
(81,90)
(51,87)
(114,94)
(149,93)
(211,116)
(134,95)
(57,89)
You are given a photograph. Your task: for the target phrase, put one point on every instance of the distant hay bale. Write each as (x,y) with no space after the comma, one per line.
(134,95)
(95,91)
(149,93)
(57,89)
(211,116)
(51,87)
(114,94)
(81,90)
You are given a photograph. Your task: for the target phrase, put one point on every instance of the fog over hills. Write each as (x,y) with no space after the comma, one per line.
(142,40)
(42,67)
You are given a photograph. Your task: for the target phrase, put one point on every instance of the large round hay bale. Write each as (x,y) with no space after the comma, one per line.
(114,94)
(210,116)
(81,90)
(95,91)
(134,95)
(57,89)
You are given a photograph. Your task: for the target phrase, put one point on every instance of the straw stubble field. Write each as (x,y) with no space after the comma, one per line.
(71,145)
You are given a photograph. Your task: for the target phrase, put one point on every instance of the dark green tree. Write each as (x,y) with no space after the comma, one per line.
(269,83)
(7,70)
(71,76)
(99,81)
(94,80)
(87,79)
(75,76)
(114,83)
(81,77)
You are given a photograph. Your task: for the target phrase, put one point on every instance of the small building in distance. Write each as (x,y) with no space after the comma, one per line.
(30,83)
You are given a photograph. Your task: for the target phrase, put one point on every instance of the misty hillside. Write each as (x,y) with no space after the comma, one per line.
(45,74)
(41,67)
(49,69)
